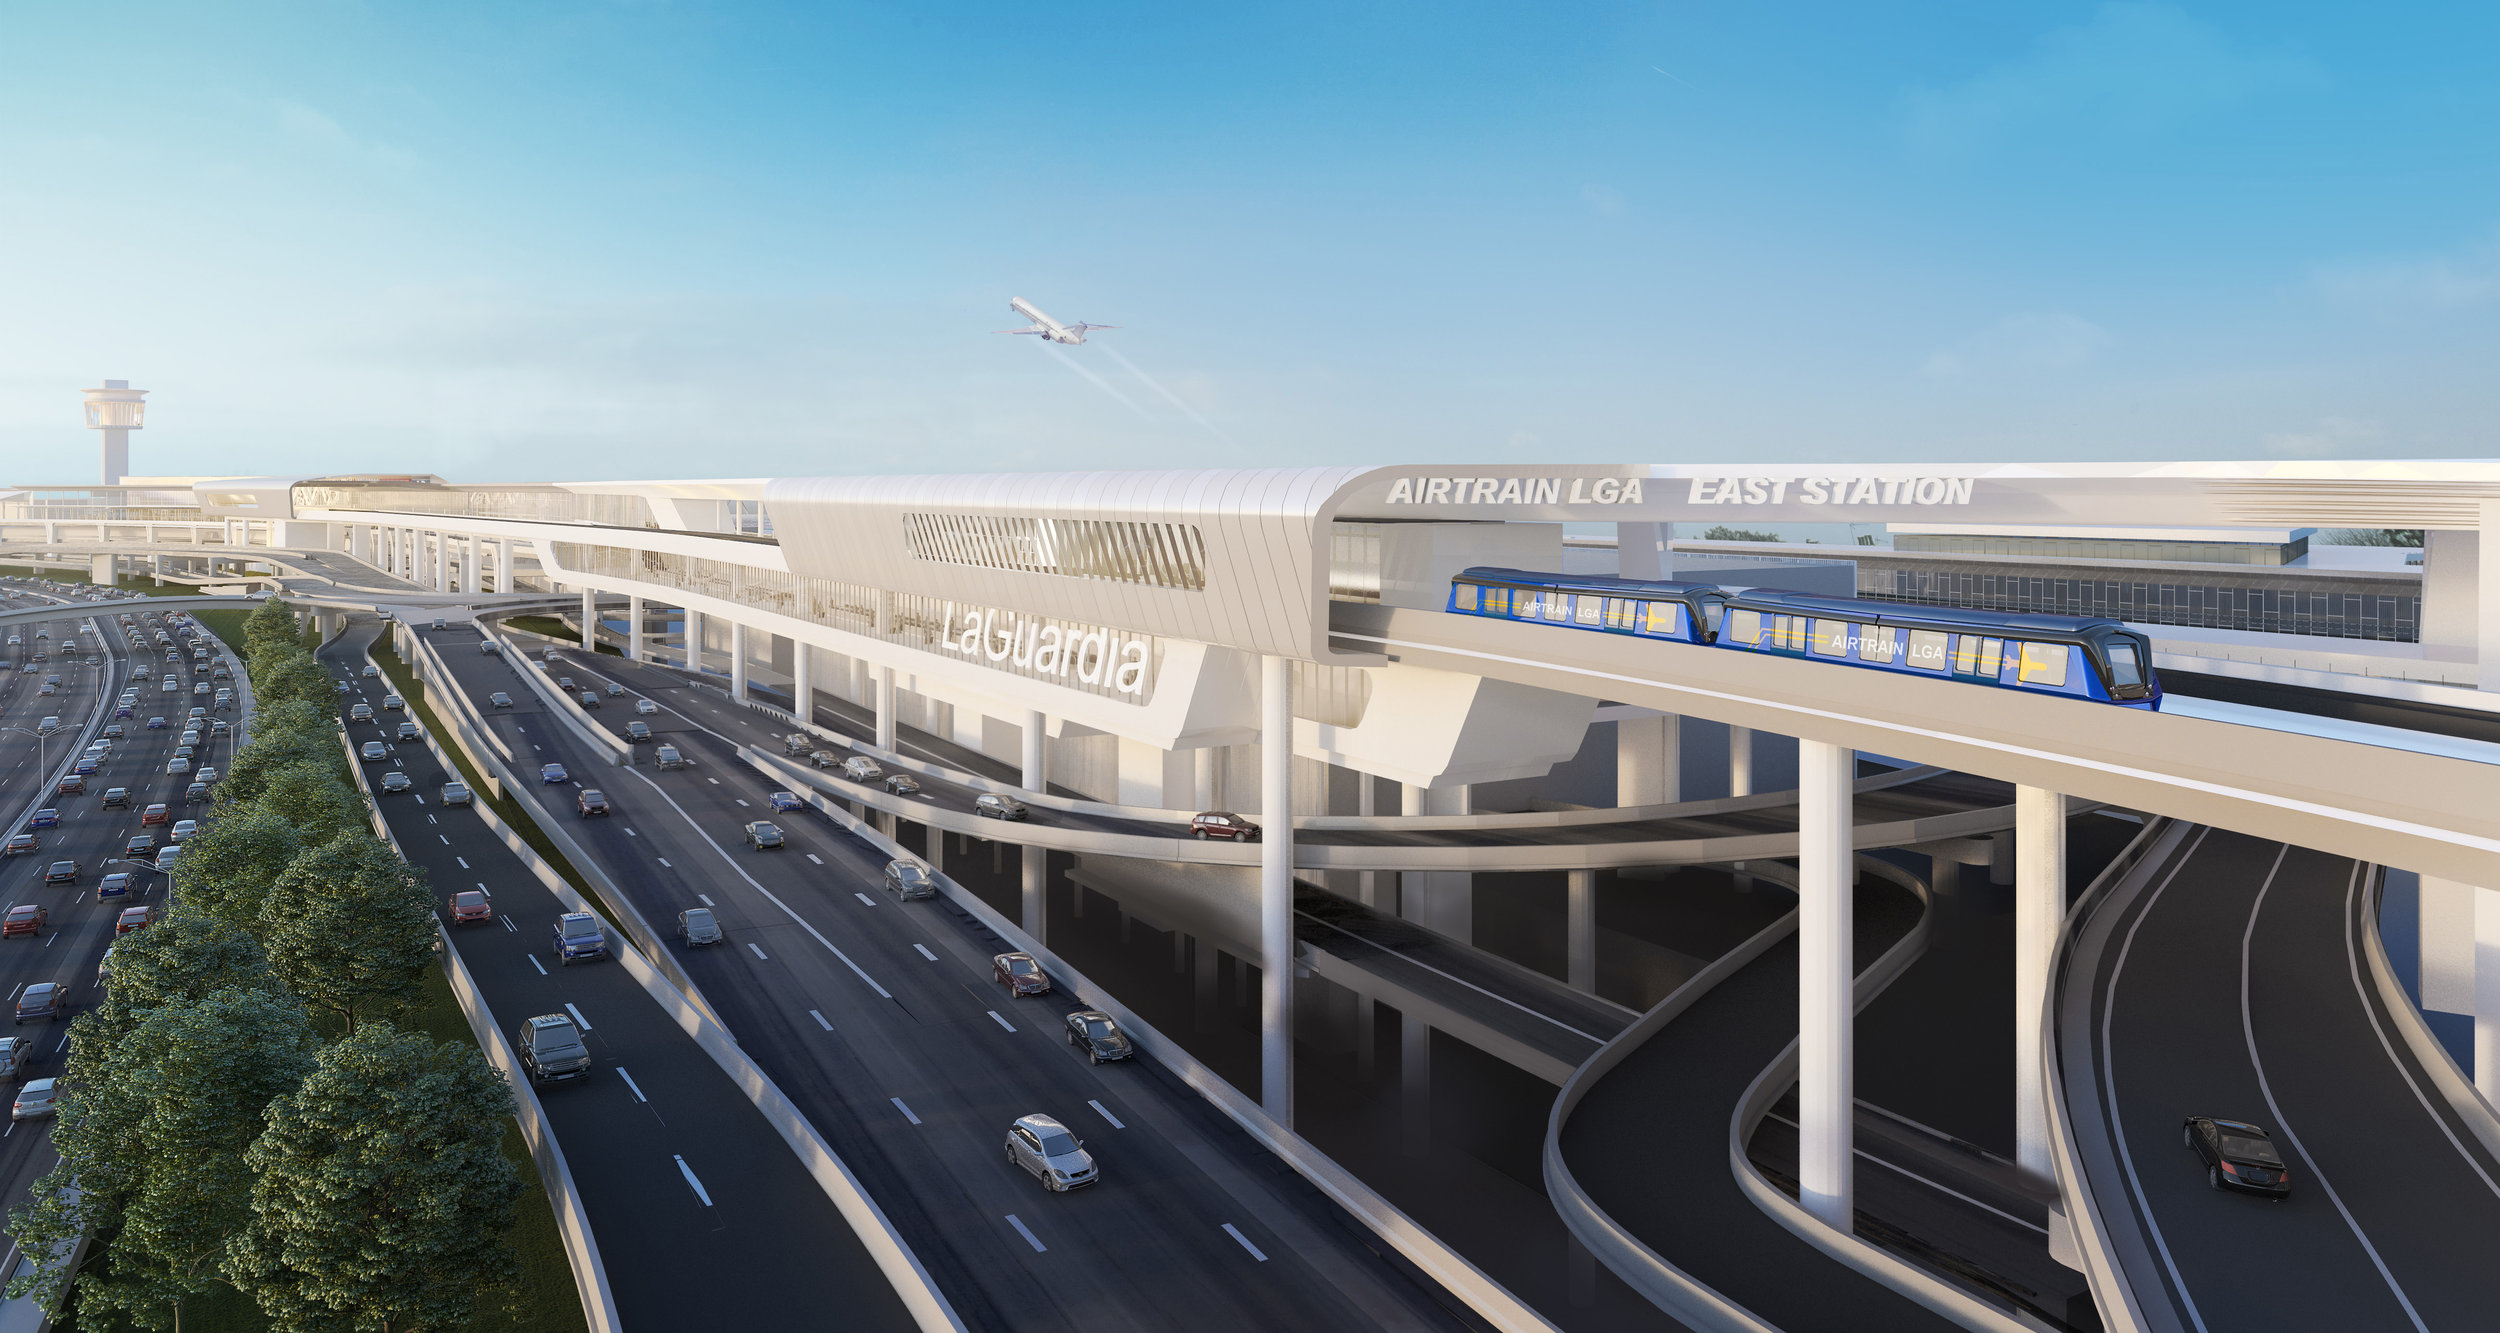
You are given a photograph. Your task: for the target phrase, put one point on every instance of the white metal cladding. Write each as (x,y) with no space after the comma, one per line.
(1262,534)
(1169,555)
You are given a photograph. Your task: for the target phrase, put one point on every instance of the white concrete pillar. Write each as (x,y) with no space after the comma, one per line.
(694,639)
(885,708)
(1276,888)
(504,581)
(803,688)
(1648,759)
(442,561)
(474,565)
(1580,930)
(1035,738)
(590,620)
(1826,1063)
(1439,900)
(2039,908)
(1035,894)
(1202,762)
(2487,992)
(738,660)
(1740,761)
(634,614)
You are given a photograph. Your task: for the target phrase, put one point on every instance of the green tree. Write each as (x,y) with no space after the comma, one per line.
(172,964)
(228,865)
(382,1194)
(1728,534)
(164,1117)
(315,798)
(293,676)
(350,928)
(278,746)
(272,623)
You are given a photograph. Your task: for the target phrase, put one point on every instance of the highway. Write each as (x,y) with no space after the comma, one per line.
(702,1215)
(79,926)
(879,1018)
(2226,979)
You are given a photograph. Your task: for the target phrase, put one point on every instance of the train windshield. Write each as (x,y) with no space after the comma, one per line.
(2124,670)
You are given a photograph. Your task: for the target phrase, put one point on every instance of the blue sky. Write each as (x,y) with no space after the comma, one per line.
(650,239)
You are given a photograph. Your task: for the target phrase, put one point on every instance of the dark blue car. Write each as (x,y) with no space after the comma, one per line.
(45,818)
(578,935)
(553,773)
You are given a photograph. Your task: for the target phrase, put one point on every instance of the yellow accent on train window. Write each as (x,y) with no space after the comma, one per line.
(1831,637)
(1660,617)
(1497,601)
(1744,626)
(2043,664)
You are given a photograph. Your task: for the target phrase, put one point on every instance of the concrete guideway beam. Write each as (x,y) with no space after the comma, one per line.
(2430,813)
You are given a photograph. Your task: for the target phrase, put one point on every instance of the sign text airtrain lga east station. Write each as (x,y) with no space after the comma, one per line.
(1702,490)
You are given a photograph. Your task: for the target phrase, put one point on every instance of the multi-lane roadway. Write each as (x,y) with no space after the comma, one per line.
(882,1021)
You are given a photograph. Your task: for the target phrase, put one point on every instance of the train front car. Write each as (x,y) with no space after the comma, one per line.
(2077,657)
(1642,608)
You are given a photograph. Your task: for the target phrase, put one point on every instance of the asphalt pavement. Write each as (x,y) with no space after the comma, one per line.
(703,1216)
(882,1021)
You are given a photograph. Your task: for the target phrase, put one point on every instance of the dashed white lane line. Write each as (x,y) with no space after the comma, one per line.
(707,899)
(907,1115)
(1235,1233)
(664,861)
(821,1021)
(577,1015)
(1026,1232)
(1105,1113)
(759,950)
(864,898)
(924,952)
(629,1082)
(542,967)
(464,861)
(631,834)
(697,1185)
(507,924)
(446,839)
(1000,1021)
(815,858)
(716,782)
(742,803)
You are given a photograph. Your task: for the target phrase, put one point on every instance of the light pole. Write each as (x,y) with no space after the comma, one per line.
(43,744)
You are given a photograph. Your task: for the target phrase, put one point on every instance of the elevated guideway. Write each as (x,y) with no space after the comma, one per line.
(2436,813)
(2241,978)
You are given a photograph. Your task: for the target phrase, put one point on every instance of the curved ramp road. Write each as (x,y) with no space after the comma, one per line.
(2227,979)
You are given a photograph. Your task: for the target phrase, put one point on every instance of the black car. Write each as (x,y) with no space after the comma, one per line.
(62,872)
(1100,1037)
(902,784)
(2238,1156)
(764,837)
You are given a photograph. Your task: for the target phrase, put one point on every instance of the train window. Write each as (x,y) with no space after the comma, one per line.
(1497,601)
(1790,631)
(1875,643)
(1622,613)
(1558,606)
(2124,671)
(1659,617)
(1524,603)
(1588,609)
(1992,658)
(1744,626)
(1927,649)
(2043,664)
(1831,637)
(1966,655)
(1464,596)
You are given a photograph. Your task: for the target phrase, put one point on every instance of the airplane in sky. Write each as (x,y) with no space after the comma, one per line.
(1045,327)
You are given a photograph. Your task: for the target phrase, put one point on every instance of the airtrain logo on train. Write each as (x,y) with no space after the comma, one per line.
(1919,491)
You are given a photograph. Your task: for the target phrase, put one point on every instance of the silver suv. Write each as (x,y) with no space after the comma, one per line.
(551,1049)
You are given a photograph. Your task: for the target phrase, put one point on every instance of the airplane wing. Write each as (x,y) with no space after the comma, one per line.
(1091,327)
(1035,329)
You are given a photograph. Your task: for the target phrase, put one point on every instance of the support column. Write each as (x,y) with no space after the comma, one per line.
(1740,761)
(1202,762)
(2487,993)
(590,620)
(633,610)
(1648,760)
(694,640)
(738,660)
(1415,1083)
(1580,913)
(504,581)
(1276,888)
(1826,1069)
(1204,1011)
(803,687)
(1366,882)
(474,566)
(442,561)
(1035,733)
(885,708)
(2039,908)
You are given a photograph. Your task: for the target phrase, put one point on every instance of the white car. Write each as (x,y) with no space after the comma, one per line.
(35,1099)
(1055,1156)
(645,707)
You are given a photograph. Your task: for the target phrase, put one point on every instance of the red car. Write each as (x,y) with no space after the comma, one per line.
(1223,824)
(23,919)
(134,918)
(71,784)
(469,906)
(1020,974)
(156,814)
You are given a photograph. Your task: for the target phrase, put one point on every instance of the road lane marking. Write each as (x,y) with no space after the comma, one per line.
(1235,1233)
(464,861)
(707,899)
(542,967)
(759,950)
(577,1015)
(820,1020)
(629,1082)
(907,1115)
(1000,1021)
(446,840)
(742,803)
(1029,1237)
(815,858)
(1105,1113)
(716,782)
(864,898)
(690,1180)
(631,834)
(664,861)
(507,924)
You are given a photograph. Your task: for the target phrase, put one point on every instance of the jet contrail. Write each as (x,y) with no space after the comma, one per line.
(1168,395)
(1099,382)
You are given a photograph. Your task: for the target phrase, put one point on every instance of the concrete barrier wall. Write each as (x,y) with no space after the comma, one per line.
(564,708)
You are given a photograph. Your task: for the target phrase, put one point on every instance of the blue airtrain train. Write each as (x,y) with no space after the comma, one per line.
(2075,656)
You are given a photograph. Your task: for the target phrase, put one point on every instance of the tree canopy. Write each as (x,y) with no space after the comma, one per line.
(350,928)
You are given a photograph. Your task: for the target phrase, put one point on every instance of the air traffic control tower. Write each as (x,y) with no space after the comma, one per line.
(116,409)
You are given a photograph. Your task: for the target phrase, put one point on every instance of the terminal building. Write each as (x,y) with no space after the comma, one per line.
(1529,830)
